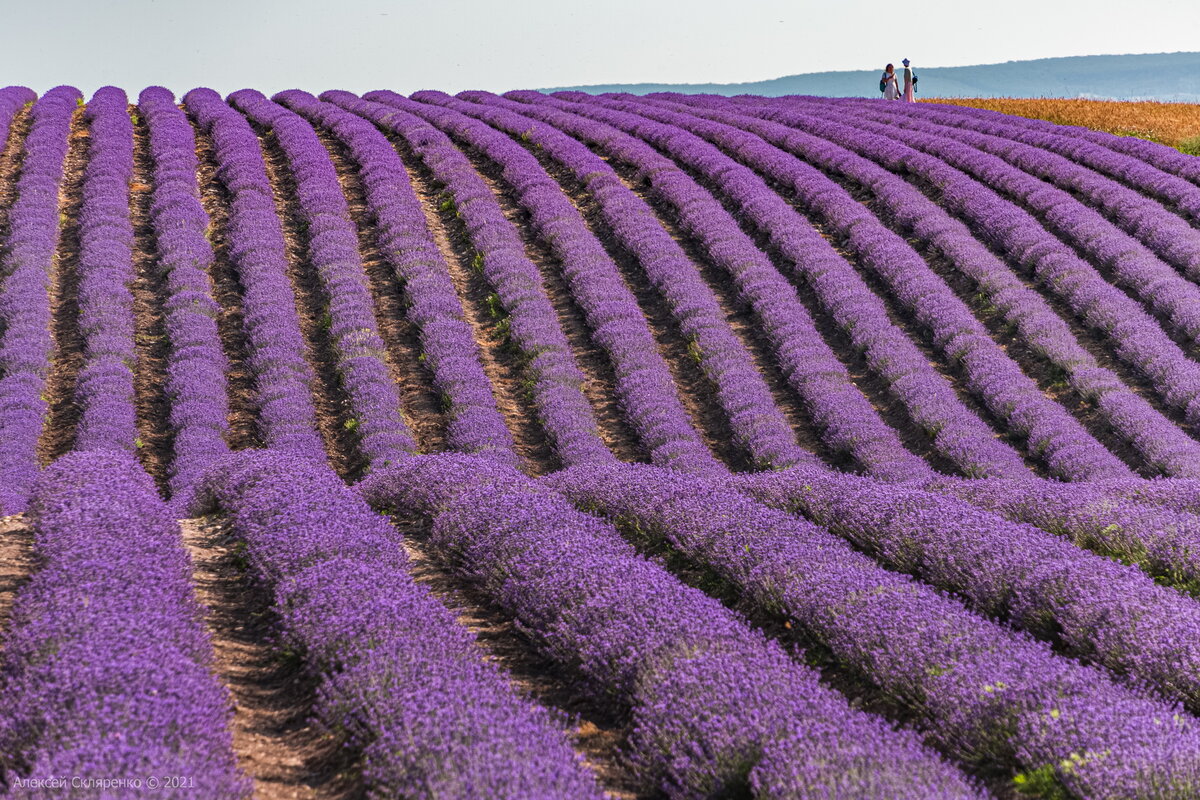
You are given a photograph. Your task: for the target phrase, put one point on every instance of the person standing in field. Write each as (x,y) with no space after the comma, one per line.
(910,81)
(891,89)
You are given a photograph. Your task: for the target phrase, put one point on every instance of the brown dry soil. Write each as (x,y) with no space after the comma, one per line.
(227,291)
(58,435)
(499,363)
(596,734)
(17,561)
(277,746)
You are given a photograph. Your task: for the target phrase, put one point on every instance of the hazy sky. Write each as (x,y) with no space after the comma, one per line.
(508,44)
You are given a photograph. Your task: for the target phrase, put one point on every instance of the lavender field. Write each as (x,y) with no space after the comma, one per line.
(573,446)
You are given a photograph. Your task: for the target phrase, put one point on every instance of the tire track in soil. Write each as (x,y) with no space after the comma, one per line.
(149,301)
(419,399)
(58,434)
(740,316)
(596,733)
(334,413)
(275,744)
(599,385)
(500,365)
(227,291)
(17,562)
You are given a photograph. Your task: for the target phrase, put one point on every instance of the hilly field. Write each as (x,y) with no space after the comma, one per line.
(580,446)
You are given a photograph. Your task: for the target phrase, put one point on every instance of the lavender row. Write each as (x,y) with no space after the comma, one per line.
(1131,207)
(1123,520)
(1090,606)
(382,435)
(447,343)
(1160,442)
(1136,336)
(27,346)
(712,704)
(195,384)
(983,693)
(400,678)
(847,422)
(1156,283)
(643,383)
(12,100)
(957,434)
(562,408)
(107,666)
(104,388)
(283,378)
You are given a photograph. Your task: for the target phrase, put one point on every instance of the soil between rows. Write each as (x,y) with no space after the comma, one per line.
(276,744)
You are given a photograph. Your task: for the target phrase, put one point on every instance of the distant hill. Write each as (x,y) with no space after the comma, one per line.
(1157,76)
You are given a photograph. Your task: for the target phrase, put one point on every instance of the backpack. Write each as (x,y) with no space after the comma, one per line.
(883,84)
(914,81)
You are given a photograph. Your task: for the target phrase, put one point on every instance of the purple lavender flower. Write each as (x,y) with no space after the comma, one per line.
(374,399)
(106,670)
(26,346)
(399,675)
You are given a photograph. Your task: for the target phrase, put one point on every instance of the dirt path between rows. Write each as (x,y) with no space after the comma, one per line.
(740,316)
(499,363)
(596,733)
(17,561)
(599,385)
(419,399)
(276,745)
(149,303)
(58,434)
(334,413)
(227,291)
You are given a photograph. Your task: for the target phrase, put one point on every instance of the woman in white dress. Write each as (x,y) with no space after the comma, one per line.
(891,87)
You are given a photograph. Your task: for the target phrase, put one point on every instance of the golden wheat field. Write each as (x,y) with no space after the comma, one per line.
(1174,124)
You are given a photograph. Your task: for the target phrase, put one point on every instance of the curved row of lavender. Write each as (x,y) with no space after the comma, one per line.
(1053,435)
(107,667)
(563,410)
(1134,334)
(755,423)
(380,430)
(402,233)
(642,380)
(848,424)
(195,385)
(921,649)
(1152,524)
(402,683)
(27,264)
(104,387)
(1159,441)
(1087,605)
(713,705)
(283,376)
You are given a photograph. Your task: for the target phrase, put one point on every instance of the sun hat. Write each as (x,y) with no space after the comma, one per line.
(905,62)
